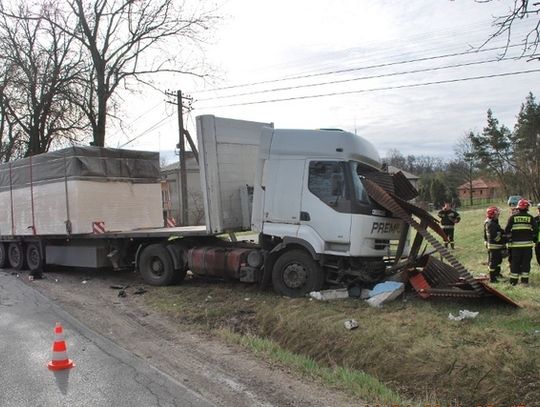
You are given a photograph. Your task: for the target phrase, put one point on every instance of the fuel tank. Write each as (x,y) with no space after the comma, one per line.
(222,261)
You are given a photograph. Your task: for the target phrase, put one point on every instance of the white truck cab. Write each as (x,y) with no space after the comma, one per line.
(316,223)
(309,187)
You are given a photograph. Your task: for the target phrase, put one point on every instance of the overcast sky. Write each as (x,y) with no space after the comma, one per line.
(365,53)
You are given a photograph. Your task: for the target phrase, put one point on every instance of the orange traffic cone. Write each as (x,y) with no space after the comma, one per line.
(59,360)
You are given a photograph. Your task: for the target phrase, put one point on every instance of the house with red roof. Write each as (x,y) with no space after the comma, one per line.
(481,189)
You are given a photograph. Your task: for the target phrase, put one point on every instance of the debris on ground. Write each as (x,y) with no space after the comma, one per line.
(140,290)
(118,287)
(355,291)
(36,275)
(327,295)
(463,314)
(122,293)
(351,324)
(385,292)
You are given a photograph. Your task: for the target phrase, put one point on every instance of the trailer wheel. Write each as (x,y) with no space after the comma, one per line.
(156,265)
(16,256)
(3,256)
(295,274)
(33,256)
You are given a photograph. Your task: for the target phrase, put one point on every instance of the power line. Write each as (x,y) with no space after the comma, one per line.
(414,85)
(146,112)
(304,76)
(428,42)
(310,85)
(153,127)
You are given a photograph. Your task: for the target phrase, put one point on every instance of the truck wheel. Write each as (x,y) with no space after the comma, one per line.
(156,266)
(295,274)
(16,256)
(33,256)
(3,256)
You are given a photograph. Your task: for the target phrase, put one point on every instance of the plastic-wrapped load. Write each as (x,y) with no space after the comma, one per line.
(71,190)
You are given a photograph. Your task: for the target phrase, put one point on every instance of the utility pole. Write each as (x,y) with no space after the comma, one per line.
(182,191)
(182,174)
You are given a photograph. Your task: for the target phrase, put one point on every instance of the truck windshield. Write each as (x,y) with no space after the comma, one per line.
(357,170)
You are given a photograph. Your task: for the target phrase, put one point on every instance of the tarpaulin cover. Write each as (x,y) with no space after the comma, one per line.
(81,163)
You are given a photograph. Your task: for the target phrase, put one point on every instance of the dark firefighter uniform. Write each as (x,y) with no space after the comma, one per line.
(449,218)
(537,247)
(520,230)
(495,243)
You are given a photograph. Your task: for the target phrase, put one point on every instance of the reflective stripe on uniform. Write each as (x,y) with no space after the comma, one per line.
(495,246)
(515,245)
(448,226)
(521,226)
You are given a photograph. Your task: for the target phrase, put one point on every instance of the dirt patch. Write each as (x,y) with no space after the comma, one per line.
(225,374)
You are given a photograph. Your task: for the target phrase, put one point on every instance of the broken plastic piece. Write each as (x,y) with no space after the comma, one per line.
(463,314)
(385,292)
(330,294)
(351,324)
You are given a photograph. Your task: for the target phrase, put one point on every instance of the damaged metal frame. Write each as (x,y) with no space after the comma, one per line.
(429,276)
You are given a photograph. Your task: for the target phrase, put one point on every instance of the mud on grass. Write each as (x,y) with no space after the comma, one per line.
(409,345)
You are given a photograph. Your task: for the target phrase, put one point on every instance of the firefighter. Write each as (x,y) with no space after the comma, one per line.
(449,218)
(537,246)
(513,211)
(521,232)
(495,242)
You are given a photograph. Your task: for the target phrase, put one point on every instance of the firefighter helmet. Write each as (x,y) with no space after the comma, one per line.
(492,211)
(523,204)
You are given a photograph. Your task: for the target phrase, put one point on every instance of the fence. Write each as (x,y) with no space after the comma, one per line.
(465,203)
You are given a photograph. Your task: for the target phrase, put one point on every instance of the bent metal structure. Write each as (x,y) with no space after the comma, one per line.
(428,275)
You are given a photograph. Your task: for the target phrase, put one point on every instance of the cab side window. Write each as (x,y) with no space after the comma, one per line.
(327,182)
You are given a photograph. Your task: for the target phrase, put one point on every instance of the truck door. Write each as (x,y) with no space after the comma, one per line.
(326,204)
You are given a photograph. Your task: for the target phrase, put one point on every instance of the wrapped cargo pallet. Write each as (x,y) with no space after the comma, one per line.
(80,190)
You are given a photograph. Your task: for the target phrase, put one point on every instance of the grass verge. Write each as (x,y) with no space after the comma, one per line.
(356,383)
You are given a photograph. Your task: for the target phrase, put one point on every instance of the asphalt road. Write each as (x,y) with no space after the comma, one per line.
(104,375)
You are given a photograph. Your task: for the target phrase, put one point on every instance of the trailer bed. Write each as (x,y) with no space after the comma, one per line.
(138,233)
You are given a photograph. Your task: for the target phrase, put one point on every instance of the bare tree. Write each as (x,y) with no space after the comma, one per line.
(520,11)
(129,40)
(40,66)
(11,138)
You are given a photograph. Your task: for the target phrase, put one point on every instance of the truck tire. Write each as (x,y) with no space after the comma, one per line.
(156,265)
(295,274)
(33,256)
(3,255)
(16,256)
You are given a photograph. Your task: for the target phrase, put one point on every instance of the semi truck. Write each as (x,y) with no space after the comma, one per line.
(303,192)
